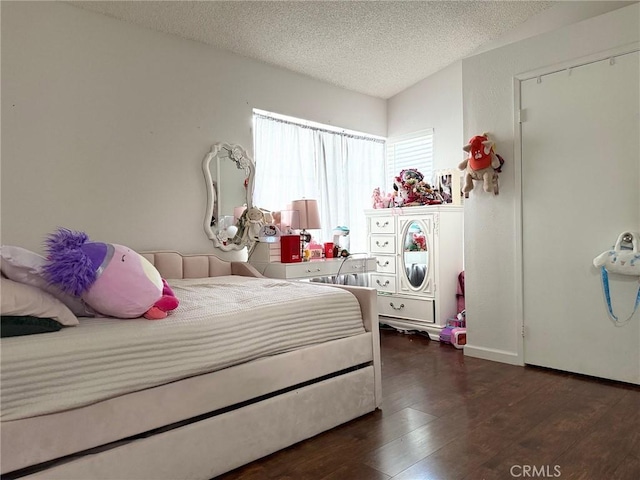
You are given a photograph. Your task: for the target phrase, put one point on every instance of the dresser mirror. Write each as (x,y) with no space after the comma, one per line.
(415,254)
(229,175)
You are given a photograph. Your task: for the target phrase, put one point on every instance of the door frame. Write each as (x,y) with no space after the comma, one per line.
(518,117)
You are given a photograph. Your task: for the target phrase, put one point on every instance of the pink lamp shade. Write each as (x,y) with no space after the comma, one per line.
(309,216)
(238,211)
(289,219)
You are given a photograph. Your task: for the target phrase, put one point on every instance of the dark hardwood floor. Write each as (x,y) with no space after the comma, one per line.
(445,416)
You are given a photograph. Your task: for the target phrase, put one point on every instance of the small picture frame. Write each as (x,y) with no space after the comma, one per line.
(447,183)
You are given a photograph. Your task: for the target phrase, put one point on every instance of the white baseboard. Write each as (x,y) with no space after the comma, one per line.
(494,355)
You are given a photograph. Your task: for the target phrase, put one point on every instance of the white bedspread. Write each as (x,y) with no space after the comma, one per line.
(221,321)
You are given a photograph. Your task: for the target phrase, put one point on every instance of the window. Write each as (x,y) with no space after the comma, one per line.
(410,151)
(295,159)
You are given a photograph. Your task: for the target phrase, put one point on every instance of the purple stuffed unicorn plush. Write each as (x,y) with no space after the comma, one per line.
(112,279)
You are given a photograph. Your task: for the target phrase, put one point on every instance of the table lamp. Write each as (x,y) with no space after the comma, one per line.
(308,217)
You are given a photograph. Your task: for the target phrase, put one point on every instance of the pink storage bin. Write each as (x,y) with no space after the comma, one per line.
(459,337)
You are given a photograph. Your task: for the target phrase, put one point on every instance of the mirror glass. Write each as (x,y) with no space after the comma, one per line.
(229,175)
(415,254)
(445,184)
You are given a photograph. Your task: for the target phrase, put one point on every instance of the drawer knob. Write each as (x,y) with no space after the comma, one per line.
(383,225)
(382,264)
(309,270)
(382,284)
(383,245)
(396,308)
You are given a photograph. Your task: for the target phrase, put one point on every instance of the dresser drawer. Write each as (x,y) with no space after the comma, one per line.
(382,244)
(383,283)
(386,264)
(382,225)
(409,308)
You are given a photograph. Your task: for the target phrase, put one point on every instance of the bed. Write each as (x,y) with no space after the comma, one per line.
(190,397)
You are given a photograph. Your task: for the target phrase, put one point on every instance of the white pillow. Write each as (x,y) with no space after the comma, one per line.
(21,299)
(24,266)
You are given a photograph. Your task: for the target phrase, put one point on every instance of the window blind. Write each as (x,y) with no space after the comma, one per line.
(410,151)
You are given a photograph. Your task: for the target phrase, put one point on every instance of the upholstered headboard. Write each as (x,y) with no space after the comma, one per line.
(172,264)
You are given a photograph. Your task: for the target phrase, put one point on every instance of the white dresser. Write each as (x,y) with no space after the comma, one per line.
(419,254)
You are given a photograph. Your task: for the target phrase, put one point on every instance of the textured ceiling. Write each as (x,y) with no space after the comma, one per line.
(375,47)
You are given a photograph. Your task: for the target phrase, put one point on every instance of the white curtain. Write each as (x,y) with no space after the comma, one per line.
(339,170)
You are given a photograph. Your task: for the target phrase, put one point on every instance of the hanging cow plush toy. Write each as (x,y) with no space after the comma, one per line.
(481,164)
(112,279)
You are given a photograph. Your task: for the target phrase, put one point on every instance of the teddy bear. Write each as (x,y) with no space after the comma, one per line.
(482,163)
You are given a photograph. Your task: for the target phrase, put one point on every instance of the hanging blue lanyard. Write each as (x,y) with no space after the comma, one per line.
(605,286)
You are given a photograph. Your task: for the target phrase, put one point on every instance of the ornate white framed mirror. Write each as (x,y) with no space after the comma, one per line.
(229,176)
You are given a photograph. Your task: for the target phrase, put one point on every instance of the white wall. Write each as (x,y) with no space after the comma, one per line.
(560,14)
(435,102)
(105,124)
(490,222)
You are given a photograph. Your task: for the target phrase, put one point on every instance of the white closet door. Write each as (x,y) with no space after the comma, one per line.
(580,190)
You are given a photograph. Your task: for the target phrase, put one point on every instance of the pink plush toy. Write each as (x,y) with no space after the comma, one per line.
(167,302)
(112,279)
(376,198)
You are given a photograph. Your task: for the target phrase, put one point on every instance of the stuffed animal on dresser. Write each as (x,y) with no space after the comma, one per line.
(482,164)
(411,189)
